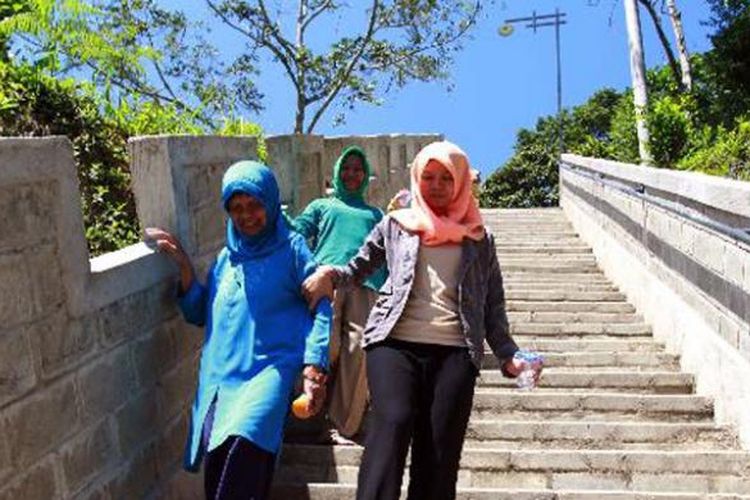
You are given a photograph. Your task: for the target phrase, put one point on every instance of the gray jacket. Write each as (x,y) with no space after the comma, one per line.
(480,291)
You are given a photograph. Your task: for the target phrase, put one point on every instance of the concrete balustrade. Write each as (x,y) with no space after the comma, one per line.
(678,245)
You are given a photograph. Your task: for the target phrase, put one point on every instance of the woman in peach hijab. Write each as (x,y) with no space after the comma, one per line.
(425,336)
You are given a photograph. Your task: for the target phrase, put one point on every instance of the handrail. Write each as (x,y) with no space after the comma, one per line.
(740,234)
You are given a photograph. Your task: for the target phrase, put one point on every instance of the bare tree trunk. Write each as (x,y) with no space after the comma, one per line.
(664,40)
(679,35)
(299,119)
(638,74)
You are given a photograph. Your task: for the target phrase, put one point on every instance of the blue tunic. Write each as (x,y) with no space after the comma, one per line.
(258,331)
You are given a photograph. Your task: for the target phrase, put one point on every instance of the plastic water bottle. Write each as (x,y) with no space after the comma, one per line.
(532,364)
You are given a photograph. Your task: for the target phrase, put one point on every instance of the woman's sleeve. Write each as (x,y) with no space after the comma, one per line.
(495,318)
(317,339)
(307,222)
(370,257)
(194,303)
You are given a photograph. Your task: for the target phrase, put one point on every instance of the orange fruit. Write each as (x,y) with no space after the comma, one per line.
(301,407)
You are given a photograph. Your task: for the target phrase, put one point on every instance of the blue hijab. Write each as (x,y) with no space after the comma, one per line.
(257,180)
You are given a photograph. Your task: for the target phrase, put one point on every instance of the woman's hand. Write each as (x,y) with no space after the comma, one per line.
(169,245)
(318,285)
(314,387)
(514,366)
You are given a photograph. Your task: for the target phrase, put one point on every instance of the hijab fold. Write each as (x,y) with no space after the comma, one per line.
(257,180)
(462,219)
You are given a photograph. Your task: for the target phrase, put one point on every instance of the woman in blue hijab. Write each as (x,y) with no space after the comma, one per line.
(259,335)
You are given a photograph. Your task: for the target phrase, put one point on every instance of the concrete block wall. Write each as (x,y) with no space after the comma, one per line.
(673,242)
(304,164)
(97,368)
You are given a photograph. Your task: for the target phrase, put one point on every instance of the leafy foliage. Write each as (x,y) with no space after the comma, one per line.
(33,103)
(130,49)
(139,70)
(728,155)
(400,41)
(530,177)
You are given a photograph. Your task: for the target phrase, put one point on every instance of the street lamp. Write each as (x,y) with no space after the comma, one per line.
(540,21)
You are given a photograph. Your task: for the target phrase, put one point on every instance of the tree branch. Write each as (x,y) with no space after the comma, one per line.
(283,42)
(418,50)
(323,7)
(263,41)
(350,67)
(664,41)
(159,71)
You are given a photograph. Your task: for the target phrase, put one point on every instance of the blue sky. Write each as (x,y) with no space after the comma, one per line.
(499,84)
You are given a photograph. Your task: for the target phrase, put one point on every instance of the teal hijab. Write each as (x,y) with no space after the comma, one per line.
(257,180)
(339,190)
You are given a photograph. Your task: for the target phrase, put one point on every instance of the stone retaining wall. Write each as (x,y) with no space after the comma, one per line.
(678,244)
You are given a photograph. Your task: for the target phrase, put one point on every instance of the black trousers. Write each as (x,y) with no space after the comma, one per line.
(420,394)
(238,470)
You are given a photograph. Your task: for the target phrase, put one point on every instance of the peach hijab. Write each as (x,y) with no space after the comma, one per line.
(462,219)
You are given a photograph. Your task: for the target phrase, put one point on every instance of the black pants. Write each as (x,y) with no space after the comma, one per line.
(237,469)
(420,393)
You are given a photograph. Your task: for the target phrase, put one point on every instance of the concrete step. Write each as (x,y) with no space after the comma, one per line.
(533,233)
(561,287)
(640,361)
(564,296)
(505,258)
(523,212)
(347,491)
(547,262)
(503,248)
(572,307)
(597,345)
(534,227)
(655,382)
(630,360)
(572,317)
(535,277)
(543,249)
(515,404)
(541,241)
(522,434)
(575,329)
(493,221)
(712,471)
(545,267)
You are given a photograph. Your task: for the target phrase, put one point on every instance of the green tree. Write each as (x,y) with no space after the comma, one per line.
(726,154)
(42,41)
(399,41)
(730,58)
(530,178)
(130,49)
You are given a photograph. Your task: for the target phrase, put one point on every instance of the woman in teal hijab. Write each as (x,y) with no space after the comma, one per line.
(259,335)
(337,226)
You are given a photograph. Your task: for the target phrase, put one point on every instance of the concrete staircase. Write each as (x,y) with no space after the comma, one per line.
(613,418)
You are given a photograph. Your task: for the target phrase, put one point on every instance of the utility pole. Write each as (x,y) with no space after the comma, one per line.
(638,75)
(539,21)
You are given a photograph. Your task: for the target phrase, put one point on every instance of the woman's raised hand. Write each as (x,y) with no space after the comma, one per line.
(166,243)
(318,285)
